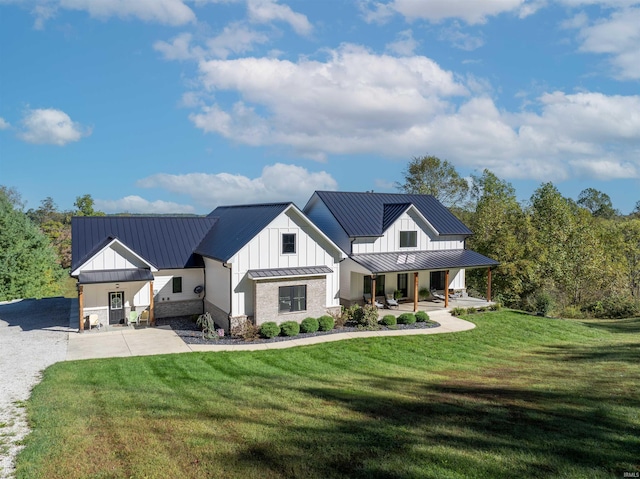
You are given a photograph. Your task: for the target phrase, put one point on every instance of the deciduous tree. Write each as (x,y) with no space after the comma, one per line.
(431,176)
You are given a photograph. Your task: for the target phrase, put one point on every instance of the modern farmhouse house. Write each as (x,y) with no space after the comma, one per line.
(240,263)
(395,242)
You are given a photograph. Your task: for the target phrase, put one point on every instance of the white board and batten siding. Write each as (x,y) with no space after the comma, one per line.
(264,251)
(427,239)
(114,256)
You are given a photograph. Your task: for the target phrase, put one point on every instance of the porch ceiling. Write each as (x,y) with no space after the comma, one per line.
(115,276)
(422,260)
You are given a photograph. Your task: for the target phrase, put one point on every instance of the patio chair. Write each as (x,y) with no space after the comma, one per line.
(144,316)
(437,295)
(133,317)
(390,301)
(94,321)
(367,300)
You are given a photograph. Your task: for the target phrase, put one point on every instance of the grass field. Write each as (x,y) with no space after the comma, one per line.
(519,396)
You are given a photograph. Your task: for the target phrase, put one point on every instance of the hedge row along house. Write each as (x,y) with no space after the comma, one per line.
(269,262)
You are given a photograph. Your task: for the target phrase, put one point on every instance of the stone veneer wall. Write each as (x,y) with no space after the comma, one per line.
(167,309)
(267,305)
(220,317)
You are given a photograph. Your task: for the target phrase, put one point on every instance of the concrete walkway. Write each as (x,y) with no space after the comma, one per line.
(149,341)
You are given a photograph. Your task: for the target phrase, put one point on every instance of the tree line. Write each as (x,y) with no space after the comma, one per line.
(574,258)
(35,246)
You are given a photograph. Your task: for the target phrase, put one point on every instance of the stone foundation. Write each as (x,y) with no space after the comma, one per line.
(221,318)
(167,309)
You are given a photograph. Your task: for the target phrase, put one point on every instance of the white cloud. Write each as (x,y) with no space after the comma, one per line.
(266,11)
(4,124)
(278,182)
(136,204)
(405,45)
(470,11)
(617,36)
(459,39)
(179,48)
(169,12)
(50,126)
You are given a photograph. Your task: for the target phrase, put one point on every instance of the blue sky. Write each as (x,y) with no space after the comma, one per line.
(181,105)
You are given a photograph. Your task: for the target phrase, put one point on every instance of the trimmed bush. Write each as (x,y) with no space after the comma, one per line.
(309,325)
(458,311)
(407,318)
(290,328)
(389,320)
(471,310)
(269,330)
(422,317)
(325,323)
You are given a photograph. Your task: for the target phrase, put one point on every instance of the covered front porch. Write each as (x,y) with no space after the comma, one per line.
(430,306)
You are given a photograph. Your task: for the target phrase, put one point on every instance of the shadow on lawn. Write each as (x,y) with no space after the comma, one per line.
(631,325)
(448,427)
(628,352)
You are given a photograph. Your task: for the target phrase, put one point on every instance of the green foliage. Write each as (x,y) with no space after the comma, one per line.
(206,323)
(309,325)
(431,176)
(397,294)
(28,266)
(290,328)
(422,317)
(572,312)
(598,203)
(84,205)
(458,311)
(407,318)
(269,329)
(366,316)
(325,323)
(544,303)
(471,310)
(615,308)
(389,320)
(423,293)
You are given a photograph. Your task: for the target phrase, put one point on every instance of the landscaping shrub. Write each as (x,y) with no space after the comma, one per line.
(269,330)
(544,303)
(572,312)
(471,310)
(422,317)
(407,318)
(369,317)
(458,311)
(352,313)
(325,323)
(309,325)
(205,322)
(615,307)
(389,320)
(290,328)
(483,309)
(423,293)
(249,332)
(497,306)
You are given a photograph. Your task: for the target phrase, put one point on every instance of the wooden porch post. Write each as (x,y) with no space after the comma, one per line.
(152,317)
(81,307)
(373,289)
(488,284)
(446,288)
(415,292)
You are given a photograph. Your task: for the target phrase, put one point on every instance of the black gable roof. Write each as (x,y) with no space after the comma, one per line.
(370,214)
(235,226)
(166,242)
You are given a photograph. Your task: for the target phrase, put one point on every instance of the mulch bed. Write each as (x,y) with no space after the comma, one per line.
(185,327)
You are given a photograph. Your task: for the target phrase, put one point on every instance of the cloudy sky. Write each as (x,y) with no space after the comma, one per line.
(182,105)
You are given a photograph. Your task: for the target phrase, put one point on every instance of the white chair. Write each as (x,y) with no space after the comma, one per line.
(144,316)
(391,301)
(94,321)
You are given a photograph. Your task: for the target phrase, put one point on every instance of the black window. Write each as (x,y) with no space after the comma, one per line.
(403,281)
(292,298)
(288,243)
(177,284)
(379,285)
(408,239)
(437,280)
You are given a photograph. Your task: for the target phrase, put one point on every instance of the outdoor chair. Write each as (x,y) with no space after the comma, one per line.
(437,295)
(133,318)
(390,301)
(144,316)
(94,321)
(367,300)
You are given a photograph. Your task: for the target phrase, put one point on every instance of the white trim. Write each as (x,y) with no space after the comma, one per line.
(343,255)
(420,215)
(78,270)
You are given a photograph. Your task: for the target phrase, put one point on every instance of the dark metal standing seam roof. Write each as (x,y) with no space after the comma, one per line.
(423,260)
(363,214)
(115,276)
(167,242)
(280,272)
(235,226)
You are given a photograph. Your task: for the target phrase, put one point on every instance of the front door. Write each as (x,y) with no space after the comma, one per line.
(116,307)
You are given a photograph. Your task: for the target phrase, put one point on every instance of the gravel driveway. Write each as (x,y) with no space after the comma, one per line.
(33,335)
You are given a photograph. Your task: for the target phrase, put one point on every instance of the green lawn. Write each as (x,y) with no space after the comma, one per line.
(519,396)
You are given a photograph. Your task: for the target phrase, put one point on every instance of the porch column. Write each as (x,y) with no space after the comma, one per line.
(415,292)
(81,307)
(373,289)
(446,288)
(152,317)
(488,284)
